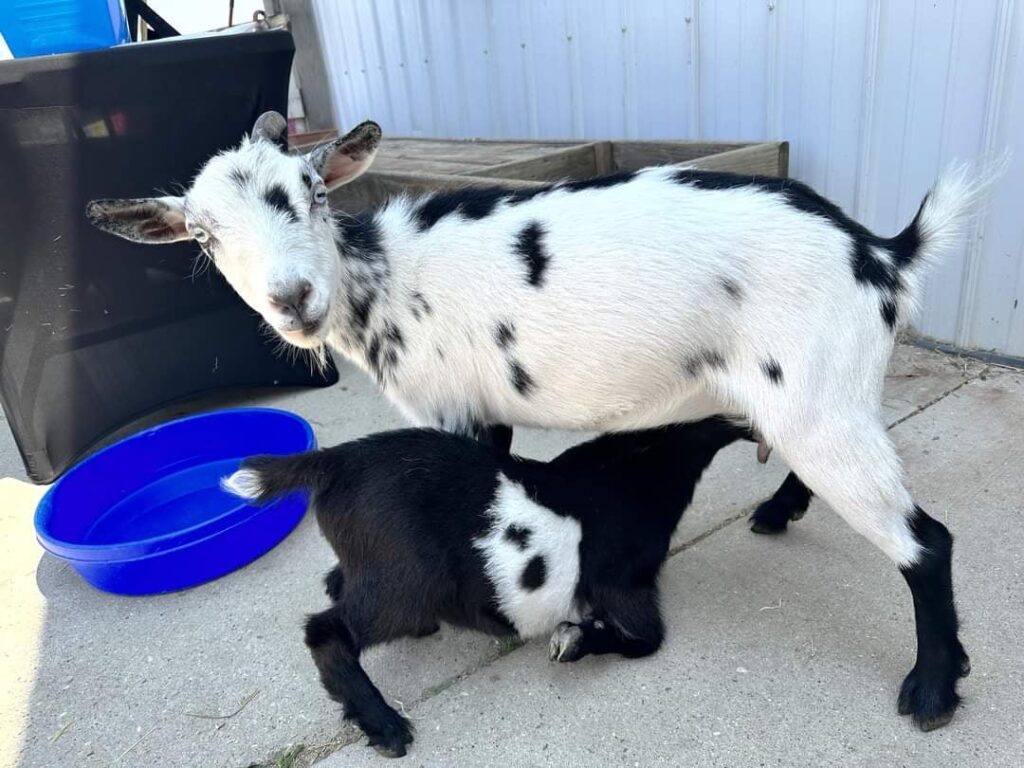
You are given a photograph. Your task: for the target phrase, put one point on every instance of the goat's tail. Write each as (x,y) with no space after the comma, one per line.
(946,213)
(262,478)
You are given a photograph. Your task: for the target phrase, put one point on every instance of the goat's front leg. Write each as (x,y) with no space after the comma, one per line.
(626,622)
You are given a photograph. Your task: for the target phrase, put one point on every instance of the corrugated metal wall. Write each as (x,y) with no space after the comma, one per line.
(875,97)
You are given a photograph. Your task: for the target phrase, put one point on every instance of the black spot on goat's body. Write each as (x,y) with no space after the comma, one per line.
(771,368)
(505,334)
(382,353)
(599,182)
(530,248)
(521,380)
(360,238)
(868,268)
(419,306)
(240,177)
(277,198)
(890,312)
(732,288)
(471,203)
(518,535)
(534,574)
(360,305)
(479,202)
(703,360)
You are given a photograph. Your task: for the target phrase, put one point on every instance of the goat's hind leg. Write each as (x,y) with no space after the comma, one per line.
(852,465)
(789,502)
(336,646)
(334,583)
(623,621)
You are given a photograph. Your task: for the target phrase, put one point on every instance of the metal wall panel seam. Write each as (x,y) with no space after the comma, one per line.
(993,119)
(866,155)
(693,22)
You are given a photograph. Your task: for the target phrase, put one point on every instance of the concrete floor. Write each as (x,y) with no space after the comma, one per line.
(781,651)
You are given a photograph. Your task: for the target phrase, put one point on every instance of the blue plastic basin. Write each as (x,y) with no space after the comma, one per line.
(147,514)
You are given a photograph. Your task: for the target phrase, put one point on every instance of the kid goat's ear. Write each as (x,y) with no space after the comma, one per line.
(345,159)
(142,220)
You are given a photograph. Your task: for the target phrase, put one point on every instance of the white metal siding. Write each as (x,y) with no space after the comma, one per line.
(874,96)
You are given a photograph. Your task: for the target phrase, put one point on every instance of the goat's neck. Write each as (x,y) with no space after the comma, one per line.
(372,282)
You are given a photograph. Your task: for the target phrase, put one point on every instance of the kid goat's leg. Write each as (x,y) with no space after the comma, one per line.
(497,435)
(623,621)
(789,503)
(334,583)
(336,645)
(852,465)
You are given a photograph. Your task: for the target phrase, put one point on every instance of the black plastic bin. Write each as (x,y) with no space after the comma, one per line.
(96,332)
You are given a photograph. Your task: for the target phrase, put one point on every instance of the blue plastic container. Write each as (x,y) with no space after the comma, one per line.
(39,27)
(147,514)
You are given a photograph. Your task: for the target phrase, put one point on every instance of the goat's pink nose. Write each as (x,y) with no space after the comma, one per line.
(293,300)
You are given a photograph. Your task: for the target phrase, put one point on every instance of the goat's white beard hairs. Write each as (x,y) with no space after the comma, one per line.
(316,357)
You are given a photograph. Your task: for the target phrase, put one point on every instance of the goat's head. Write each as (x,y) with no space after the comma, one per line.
(261,215)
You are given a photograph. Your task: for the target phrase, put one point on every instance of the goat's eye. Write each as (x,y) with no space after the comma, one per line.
(200,234)
(320,195)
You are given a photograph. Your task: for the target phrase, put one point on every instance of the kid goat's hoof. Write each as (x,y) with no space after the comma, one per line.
(391,736)
(566,642)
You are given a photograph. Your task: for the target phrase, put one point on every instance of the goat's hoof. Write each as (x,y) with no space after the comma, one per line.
(566,643)
(772,517)
(929,701)
(756,526)
(390,734)
(390,750)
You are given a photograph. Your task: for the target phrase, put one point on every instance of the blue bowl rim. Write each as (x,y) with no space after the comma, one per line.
(137,549)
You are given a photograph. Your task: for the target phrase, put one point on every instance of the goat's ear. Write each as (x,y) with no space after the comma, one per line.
(347,158)
(143,220)
(272,127)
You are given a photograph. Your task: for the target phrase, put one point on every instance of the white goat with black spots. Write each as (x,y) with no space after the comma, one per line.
(648,298)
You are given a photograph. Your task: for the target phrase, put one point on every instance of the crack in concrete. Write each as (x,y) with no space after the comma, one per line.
(937,399)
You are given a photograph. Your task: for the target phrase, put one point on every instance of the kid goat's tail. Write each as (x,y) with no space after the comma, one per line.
(262,478)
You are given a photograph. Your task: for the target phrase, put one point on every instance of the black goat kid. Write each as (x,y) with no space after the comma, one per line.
(429,527)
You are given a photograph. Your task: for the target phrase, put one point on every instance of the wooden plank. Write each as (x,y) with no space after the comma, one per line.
(373,188)
(634,155)
(304,141)
(385,161)
(576,162)
(469,151)
(377,186)
(603,158)
(427,182)
(767,159)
